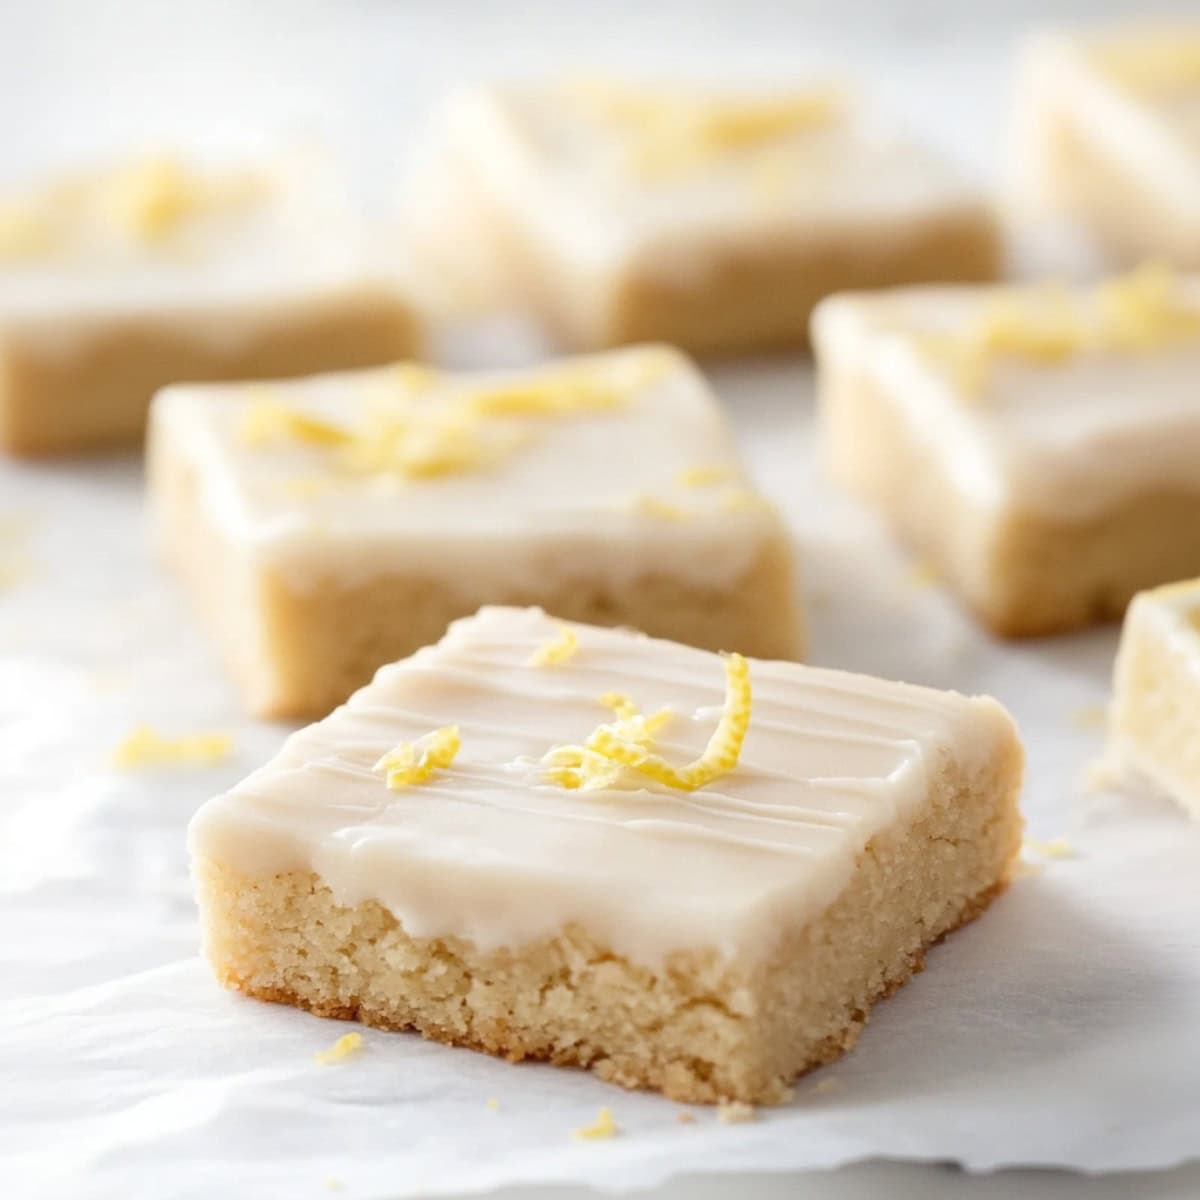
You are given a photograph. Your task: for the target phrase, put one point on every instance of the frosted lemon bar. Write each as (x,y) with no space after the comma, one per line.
(332,524)
(545,840)
(1106,134)
(710,220)
(1157,691)
(116,282)
(1038,445)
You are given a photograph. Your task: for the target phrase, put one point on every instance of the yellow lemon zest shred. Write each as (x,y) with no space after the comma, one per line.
(144,746)
(742,500)
(627,742)
(345,1047)
(149,198)
(551,395)
(659,509)
(1057,847)
(668,132)
(414,762)
(408,440)
(586,768)
(622,706)
(602,1127)
(266,420)
(702,475)
(24,233)
(1140,311)
(1159,61)
(557,650)
(144,201)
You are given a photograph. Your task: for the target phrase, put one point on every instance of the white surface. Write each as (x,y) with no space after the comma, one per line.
(1068,1011)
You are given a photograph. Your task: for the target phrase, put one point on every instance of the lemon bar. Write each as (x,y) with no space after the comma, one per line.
(331,524)
(546,840)
(711,220)
(1106,136)
(118,281)
(1156,692)
(1037,445)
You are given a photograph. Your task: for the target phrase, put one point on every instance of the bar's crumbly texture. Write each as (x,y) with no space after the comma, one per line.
(624,213)
(1036,445)
(577,844)
(1156,692)
(116,282)
(329,525)
(1106,135)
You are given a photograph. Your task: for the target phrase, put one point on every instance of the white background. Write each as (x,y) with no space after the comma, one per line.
(84,79)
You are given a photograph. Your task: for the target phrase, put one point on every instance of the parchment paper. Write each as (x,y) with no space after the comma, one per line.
(1058,1029)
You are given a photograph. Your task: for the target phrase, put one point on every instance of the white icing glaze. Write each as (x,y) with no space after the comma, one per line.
(294,237)
(559,170)
(487,851)
(1064,440)
(561,506)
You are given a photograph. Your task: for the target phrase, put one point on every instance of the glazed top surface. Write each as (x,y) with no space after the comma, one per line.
(492,850)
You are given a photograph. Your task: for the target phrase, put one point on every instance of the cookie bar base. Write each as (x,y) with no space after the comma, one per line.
(1023,574)
(1156,697)
(68,387)
(301,651)
(696,1028)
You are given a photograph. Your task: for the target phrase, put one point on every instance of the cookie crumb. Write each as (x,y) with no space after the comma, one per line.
(1090,716)
(735,1112)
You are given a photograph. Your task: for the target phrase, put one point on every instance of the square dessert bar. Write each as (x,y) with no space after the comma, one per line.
(711,221)
(117,282)
(1156,692)
(1038,446)
(332,524)
(563,842)
(1106,135)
